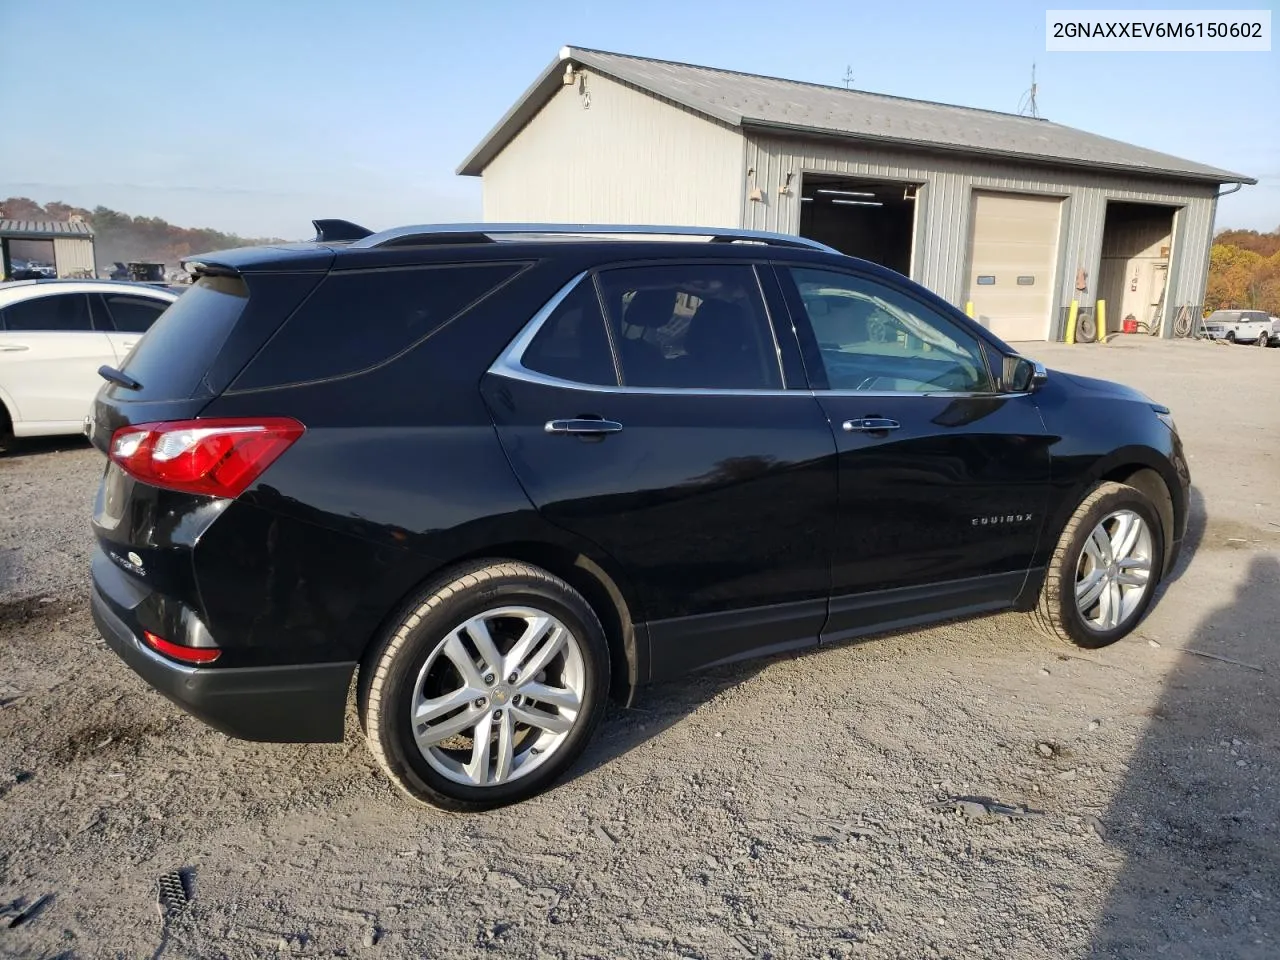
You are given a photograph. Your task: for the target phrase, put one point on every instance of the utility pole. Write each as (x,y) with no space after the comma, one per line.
(848,76)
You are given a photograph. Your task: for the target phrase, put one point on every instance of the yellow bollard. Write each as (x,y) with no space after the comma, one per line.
(1071,321)
(968,309)
(1102,321)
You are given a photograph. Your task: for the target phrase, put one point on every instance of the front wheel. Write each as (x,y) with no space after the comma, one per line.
(1231,336)
(1263,340)
(1104,572)
(489,687)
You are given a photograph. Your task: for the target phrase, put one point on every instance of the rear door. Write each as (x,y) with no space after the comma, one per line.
(646,410)
(49,359)
(131,315)
(943,479)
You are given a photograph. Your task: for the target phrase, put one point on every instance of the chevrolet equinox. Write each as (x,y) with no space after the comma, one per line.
(493,474)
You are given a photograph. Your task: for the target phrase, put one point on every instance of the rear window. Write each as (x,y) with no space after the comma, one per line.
(358,319)
(180,347)
(132,314)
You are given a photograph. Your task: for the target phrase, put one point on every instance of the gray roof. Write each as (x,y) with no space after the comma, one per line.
(745,100)
(43,229)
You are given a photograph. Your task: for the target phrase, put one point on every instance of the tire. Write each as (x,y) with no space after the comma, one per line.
(421,663)
(1086,328)
(1263,340)
(1059,614)
(1230,337)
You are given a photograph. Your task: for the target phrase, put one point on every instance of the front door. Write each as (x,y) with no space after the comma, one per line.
(49,360)
(943,480)
(667,437)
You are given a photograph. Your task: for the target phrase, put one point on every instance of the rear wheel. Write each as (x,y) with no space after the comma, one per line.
(1262,340)
(1104,571)
(488,689)
(1231,336)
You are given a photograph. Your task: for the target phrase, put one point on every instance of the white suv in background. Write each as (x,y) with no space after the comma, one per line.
(54,335)
(1243,326)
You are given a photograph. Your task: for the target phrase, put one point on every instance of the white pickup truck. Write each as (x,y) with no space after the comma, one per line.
(1243,326)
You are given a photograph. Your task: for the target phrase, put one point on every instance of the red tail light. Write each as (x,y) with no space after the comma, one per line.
(217,457)
(179,652)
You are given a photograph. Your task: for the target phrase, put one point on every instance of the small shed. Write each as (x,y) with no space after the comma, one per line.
(46,248)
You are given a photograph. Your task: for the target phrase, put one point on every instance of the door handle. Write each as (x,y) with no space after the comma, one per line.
(13,347)
(870,425)
(582,425)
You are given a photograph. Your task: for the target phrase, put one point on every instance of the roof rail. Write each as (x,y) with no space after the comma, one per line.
(444,233)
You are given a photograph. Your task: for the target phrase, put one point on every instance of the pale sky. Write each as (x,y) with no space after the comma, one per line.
(257,117)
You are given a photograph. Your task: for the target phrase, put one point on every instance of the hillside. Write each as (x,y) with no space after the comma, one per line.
(118,236)
(1244,271)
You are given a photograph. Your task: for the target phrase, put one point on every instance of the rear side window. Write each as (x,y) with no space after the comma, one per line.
(62,312)
(133,314)
(174,356)
(572,343)
(691,326)
(358,319)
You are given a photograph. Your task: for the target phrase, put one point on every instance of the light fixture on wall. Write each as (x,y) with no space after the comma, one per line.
(568,75)
(754,194)
(784,188)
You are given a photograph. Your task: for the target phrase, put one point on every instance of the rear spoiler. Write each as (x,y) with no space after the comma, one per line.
(329,231)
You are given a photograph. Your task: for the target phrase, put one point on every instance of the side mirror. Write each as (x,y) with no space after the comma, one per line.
(1024,376)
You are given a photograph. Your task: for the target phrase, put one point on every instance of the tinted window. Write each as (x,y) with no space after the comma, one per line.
(572,343)
(133,314)
(871,337)
(65,311)
(358,319)
(696,325)
(174,356)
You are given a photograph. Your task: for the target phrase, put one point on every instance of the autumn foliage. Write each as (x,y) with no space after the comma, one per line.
(118,236)
(1244,271)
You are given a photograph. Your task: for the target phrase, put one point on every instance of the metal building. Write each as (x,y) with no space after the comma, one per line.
(1017,215)
(30,248)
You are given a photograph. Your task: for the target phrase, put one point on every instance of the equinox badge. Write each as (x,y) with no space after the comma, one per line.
(1005,518)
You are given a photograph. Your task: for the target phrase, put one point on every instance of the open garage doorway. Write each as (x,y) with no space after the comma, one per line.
(1137,239)
(874,220)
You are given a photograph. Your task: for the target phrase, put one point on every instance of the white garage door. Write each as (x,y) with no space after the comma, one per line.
(1013,254)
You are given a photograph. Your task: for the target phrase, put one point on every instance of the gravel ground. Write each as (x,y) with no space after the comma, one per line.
(776,809)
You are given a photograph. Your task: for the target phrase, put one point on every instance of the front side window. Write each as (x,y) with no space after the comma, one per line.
(871,337)
(691,326)
(59,313)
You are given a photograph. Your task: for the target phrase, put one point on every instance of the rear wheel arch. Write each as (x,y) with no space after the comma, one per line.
(628,649)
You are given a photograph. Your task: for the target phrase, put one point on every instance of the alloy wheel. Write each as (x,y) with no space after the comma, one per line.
(498,696)
(1114,573)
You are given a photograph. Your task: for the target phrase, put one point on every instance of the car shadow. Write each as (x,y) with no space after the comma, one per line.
(1197,817)
(1197,523)
(663,705)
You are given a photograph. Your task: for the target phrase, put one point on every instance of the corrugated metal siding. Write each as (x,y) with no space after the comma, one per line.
(71,255)
(941,257)
(629,158)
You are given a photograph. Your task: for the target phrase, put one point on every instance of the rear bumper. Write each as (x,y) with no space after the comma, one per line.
(282,704)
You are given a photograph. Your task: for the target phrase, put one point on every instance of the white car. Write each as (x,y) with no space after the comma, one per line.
(1243,326)
(54,335)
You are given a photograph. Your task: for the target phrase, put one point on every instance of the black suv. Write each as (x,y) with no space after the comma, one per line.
(496,473)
